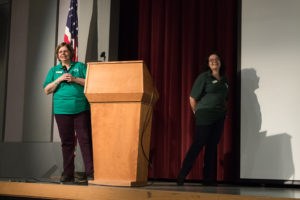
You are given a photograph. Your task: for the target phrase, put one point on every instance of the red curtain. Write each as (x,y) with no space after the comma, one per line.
(175,38)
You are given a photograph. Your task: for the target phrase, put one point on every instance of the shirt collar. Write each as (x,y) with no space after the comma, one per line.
(72,64)
(210,74)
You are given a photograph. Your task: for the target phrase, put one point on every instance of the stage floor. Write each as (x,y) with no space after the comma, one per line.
(255,191)
(43,189)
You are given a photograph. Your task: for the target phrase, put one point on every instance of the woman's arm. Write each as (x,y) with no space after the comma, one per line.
(80,81)
(51,87)
(193,103)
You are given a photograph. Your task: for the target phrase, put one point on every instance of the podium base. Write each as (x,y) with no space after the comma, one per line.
(118,183)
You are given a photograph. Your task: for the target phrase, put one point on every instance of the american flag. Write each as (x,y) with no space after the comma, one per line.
(71,32)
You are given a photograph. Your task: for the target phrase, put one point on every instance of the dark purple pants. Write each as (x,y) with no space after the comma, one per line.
(67,125)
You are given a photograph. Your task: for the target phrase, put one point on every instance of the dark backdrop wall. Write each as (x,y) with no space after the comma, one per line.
(174,38)
(5,13)
(128,30)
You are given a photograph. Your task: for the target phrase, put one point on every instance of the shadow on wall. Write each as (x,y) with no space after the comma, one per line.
(262,156)
(92,43)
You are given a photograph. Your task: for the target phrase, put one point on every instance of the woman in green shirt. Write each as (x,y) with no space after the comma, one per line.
(71,109)
(208,102)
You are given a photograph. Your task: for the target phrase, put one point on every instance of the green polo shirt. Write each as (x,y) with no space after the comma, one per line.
(68,98)
(211,96)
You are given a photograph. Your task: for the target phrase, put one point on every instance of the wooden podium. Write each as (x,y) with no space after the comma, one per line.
(121,95)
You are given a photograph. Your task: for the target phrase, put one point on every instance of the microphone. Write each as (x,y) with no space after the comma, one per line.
(65,68)
(66,71)
(102,55)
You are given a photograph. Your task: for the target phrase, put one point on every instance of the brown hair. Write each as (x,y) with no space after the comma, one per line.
(70,48)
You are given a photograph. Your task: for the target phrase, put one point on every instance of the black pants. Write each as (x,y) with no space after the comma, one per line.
(208,136)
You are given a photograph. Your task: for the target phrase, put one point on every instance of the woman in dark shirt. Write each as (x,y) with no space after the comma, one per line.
(208,102)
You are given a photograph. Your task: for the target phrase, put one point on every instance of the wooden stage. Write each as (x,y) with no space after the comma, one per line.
(158,190)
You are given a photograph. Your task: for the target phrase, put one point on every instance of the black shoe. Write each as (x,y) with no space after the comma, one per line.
(209,183)
(66,178)
(180,182)
(90,177)
(82,178)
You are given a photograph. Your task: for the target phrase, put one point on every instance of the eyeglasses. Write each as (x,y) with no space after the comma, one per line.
(214,60)
(63,51)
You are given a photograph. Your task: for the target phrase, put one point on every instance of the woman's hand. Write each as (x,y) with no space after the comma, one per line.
(65,77)
(193,103)
(69,78)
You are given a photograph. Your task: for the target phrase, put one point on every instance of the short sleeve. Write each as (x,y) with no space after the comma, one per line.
(49,78)
(83,69)
(198,88)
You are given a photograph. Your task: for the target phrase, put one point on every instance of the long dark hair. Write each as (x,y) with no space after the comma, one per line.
(222,69)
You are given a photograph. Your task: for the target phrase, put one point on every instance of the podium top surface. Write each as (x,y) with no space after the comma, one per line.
(115,62)
(118,81)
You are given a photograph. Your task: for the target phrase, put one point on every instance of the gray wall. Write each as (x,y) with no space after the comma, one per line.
(16,71)
(270,128)
(41,42)
(32,40)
